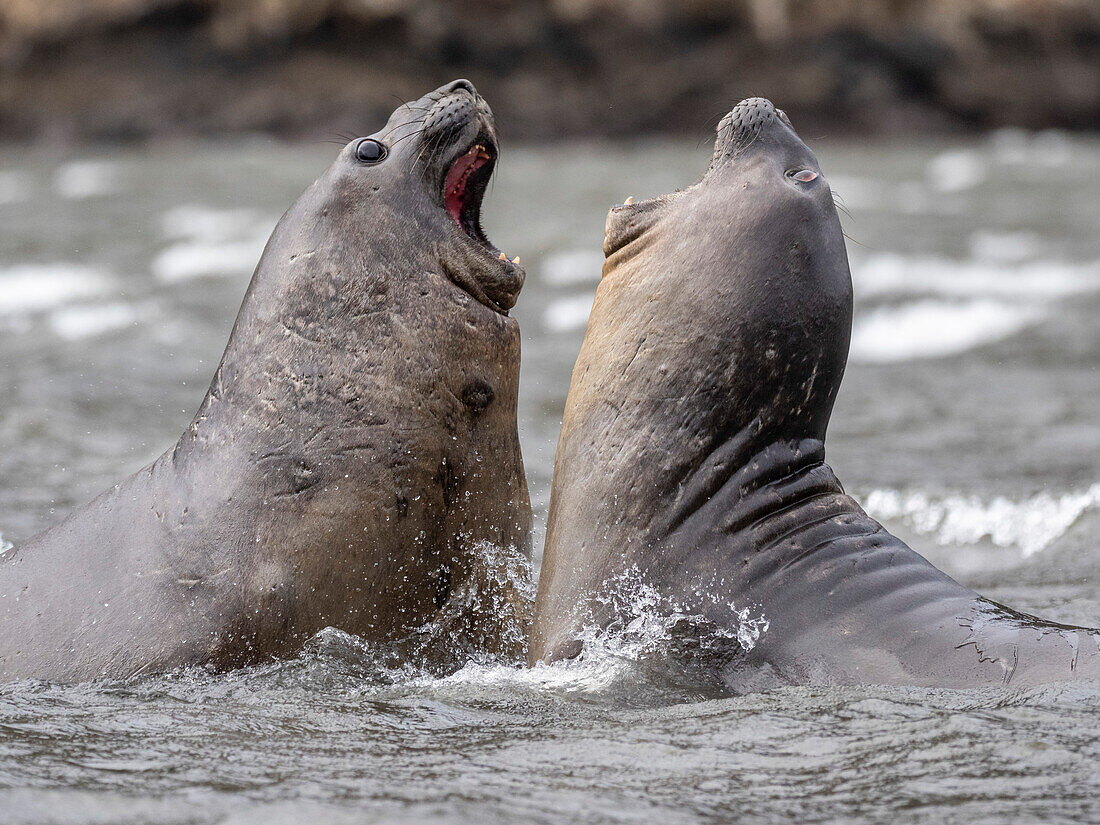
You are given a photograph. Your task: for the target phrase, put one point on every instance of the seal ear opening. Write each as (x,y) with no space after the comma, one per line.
(629,221)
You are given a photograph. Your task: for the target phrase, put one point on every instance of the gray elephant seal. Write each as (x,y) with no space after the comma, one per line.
(690,479)
(355,462)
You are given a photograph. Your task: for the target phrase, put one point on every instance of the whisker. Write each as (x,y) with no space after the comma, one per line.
(343,136)
(404,104)
(413,133)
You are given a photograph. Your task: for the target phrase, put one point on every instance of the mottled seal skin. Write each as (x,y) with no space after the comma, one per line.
(692,458)
(354,458)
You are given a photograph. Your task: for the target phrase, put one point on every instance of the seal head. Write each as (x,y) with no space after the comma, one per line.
(759,265)
(446,145)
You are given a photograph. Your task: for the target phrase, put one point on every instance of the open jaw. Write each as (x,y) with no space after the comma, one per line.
(464,189)
(482,270)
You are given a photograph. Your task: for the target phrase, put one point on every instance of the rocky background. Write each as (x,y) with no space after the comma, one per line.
(74,70)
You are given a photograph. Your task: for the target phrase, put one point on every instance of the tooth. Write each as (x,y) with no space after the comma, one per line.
(628,201)
(503,257)
(515,260)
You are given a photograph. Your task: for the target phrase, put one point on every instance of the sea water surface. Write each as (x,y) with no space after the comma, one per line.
(969,422)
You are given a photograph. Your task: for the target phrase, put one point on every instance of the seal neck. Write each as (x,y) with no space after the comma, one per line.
(737,485)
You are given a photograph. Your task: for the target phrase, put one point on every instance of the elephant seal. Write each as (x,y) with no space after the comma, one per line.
(355,462)
(690,489)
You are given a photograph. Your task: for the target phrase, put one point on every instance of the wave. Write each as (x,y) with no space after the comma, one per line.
(956,170)
(907,197)
(1028,525)
(567,313)
(1006,247)
(197,222)
(935,329)
(577,266)
(26,288)
(951,172)
(893,274)
(210,242)
(1018,147)
(77,323)
(971,303)
(82,179)
(184,261)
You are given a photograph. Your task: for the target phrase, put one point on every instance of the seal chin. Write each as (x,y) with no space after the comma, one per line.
(491,278)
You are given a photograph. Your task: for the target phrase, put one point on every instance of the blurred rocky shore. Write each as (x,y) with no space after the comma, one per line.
(74,70)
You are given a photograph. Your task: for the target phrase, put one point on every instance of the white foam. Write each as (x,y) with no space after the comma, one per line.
(582,675)
(81,179)
(910,197)
(15,186)
(197,222)
(955,170)
(5,547)
(645,618)
(1052,147)
(1016,147)
(76,323)
(934,329)
(1005,247)
(577,266)
(196,259)
(36,287)
(644,623)
(896,274)
(210,242)
(1029,525)
(567,313)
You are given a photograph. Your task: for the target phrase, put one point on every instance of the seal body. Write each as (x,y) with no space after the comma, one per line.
(691,458)
(355,462)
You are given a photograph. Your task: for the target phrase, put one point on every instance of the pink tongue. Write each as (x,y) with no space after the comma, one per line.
(454,187)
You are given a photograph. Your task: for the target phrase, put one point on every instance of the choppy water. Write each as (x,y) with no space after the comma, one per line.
(969,420)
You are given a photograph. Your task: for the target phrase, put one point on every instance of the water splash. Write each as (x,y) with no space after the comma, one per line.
(487,615)
(1030,525)
(653,650)
(630,621)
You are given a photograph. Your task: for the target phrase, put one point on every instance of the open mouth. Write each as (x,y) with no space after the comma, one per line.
(494,280)
(464,189)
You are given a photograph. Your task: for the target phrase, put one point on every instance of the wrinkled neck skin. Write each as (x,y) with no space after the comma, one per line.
(360,359)
(692,457)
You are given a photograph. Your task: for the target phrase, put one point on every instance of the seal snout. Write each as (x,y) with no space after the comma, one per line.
(745,123)
(460,143)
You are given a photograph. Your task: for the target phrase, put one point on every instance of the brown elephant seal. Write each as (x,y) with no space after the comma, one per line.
(690,478)
(355,462)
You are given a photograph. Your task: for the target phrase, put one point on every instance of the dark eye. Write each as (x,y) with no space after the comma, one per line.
(369,151)
(803,175)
